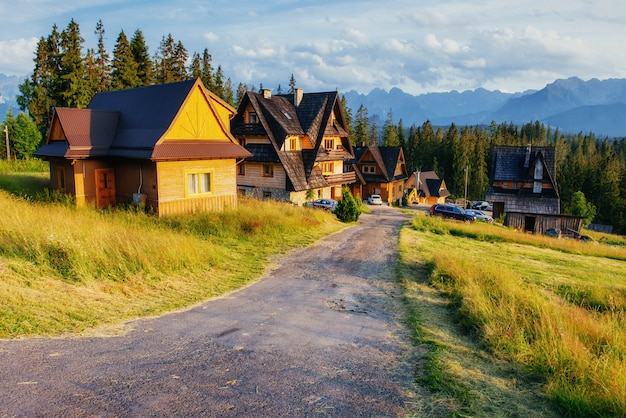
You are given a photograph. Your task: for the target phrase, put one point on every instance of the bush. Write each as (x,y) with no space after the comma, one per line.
(348,209)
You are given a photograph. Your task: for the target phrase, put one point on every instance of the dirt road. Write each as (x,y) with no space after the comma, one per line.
(318,336)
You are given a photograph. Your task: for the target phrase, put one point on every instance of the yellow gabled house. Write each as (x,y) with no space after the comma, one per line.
(167,147)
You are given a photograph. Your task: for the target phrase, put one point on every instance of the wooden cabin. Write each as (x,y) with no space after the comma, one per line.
(426,187)
(299,143)
(381,171)
(167,147)
(523,179)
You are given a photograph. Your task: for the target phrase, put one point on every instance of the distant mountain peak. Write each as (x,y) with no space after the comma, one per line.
(481,106)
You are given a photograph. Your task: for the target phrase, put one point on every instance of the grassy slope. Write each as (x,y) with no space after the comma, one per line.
(508,317)
(67,271)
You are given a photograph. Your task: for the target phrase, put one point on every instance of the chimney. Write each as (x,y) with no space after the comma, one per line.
(267,93)
(527,160)
(297,97)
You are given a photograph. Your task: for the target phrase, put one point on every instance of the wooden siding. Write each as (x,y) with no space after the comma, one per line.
(80,179)
(539,223)
(254,176)
(197,119)
(136,176)
(172,186)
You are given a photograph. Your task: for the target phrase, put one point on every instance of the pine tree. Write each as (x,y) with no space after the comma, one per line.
(41,93)
(373,137)
(74,92)
(347,113)
(124,74)
(241,91)
(101,60)
(142,58)
(390,135)
(292,84)
(164,59)
(361,126)
(229,96)
(179,65)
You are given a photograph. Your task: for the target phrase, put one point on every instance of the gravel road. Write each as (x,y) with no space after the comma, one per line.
(320,335)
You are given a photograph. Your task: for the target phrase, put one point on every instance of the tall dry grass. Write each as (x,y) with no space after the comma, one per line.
(573,333)
(64,270)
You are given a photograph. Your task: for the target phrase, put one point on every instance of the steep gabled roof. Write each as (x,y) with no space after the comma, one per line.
(132,123)
(512,163)
(280,117)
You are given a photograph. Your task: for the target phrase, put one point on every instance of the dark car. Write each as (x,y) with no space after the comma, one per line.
(452,212)
(480,205)
(328,204)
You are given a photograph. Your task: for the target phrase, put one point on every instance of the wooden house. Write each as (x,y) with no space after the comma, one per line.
(299,143)
(523,189)
(523,179)
(426,187)
(167,147)
(381,171)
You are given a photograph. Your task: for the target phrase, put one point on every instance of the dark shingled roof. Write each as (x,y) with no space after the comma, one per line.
(514,163)
(280,117)
(386,158)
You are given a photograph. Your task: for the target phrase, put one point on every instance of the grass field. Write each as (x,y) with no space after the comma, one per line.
(68,271)
(545,312)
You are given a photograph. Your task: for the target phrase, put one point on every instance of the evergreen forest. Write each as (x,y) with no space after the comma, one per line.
(591,171)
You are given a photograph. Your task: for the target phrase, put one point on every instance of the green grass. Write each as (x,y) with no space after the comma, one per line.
(556,308)
(67,270)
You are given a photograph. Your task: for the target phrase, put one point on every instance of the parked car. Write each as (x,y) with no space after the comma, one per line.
(480,205)
(328,204)
(451,211)
(553,232)
(375,199)
(480,215)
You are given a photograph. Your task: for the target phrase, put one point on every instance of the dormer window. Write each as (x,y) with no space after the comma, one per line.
(329,144)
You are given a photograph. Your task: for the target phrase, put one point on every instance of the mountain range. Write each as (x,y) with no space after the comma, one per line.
(572,105)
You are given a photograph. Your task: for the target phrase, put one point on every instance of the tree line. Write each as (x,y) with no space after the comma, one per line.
(591,171)
(67,76)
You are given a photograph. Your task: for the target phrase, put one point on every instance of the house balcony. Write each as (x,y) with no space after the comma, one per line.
(340,179)
(248,129)
(333,155)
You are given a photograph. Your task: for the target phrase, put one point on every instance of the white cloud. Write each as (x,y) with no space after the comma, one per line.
(211,37)
(16,56)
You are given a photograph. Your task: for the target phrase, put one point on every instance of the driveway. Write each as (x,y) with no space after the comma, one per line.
(320,335)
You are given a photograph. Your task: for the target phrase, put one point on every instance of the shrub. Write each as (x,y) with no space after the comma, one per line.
(348,209)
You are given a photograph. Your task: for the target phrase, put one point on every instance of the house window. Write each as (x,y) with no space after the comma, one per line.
(252,118)
(267,195)
(369,169)
(293,144)
(328,167)
(241,169)
(199,183)
(61,178)
(268,170)
(329,144)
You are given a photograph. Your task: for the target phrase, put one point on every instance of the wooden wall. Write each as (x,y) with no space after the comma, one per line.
(172,183)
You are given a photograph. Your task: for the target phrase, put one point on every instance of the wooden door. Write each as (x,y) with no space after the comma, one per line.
(105,188)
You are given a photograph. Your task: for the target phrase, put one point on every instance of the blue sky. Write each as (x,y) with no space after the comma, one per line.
(418,46)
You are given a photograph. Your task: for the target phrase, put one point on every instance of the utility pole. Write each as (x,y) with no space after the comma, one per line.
(465,199)
(6,135)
